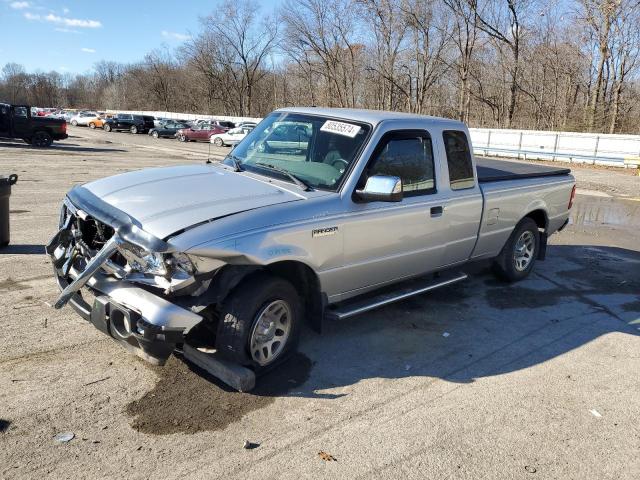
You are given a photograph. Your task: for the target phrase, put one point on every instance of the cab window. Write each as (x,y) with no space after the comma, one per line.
(408,155)
(458,160)
(20,112)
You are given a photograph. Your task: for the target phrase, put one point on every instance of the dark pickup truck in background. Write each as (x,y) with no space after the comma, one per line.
(16,121)
(129,122)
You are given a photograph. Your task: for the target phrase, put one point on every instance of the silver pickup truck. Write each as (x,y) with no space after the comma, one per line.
(317,213)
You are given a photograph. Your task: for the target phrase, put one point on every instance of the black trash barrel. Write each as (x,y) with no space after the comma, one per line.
(5,193)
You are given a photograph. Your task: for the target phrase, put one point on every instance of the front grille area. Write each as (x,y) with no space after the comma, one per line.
(94,233)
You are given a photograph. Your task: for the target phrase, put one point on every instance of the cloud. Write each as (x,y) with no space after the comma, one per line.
(65,30)
(19,5)
(65,10)
(175,36)
(67,22)
(88,50)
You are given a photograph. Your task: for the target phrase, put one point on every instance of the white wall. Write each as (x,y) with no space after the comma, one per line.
(595,148)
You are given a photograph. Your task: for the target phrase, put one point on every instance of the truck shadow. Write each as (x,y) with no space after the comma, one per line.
(478,328)
(22,249)
(483,327)
(59,147)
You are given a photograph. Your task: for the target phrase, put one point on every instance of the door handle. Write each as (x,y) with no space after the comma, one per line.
(437,211)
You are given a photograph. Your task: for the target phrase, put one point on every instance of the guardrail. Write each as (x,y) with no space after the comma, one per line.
(542,155)
(596,149)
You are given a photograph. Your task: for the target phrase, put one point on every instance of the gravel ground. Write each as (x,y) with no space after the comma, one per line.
(479,380)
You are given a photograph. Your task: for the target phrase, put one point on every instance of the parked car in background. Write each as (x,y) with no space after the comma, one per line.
(132,123)
(246,124)
(231,137)
(83,118)
(223,124)
(168,129)
(17,121)
(199,133)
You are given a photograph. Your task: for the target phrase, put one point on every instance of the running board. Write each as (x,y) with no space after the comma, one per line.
(408,289)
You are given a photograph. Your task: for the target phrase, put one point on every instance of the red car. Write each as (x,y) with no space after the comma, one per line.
(202,132)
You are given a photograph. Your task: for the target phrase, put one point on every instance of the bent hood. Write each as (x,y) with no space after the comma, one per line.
(167,200)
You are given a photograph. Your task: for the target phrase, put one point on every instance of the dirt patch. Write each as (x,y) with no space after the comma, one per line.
(12,285)
(188,400)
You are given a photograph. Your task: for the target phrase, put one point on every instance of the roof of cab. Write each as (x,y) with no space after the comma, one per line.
(373,117)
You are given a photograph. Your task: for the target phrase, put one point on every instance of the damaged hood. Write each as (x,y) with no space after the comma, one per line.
(167,200)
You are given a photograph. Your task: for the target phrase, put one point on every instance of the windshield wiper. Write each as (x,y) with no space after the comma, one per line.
(299,182)
(237,165)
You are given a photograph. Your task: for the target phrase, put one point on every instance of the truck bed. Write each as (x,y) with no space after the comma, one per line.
(501,170)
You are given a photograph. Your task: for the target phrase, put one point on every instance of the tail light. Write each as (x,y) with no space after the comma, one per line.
(573,197)
(64,127)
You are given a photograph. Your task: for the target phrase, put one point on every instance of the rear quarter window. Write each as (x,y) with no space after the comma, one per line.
(458,159)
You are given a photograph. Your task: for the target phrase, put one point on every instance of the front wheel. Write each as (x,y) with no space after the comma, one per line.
(260,322)
(133,129)
(518,255)
(41,139)
(182,138)
(155,134)
(217,141)
(92,126)
(106,127)
(74,123)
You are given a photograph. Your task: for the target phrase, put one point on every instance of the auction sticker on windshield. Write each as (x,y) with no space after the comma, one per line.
(341,128)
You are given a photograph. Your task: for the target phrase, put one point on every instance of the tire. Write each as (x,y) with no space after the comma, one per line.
(106,127)
(92,125)
(183,138)
(518,256)
(239,315)
(27,140)
(217,141)
(155,134)
(74,123)
(133,129)
(41,139)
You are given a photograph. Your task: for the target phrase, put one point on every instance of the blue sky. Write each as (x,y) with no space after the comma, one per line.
(71,35)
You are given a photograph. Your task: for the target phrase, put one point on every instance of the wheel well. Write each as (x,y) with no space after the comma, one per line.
(540,217)
(306,282)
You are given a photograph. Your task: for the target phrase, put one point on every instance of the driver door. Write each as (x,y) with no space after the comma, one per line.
(388,241)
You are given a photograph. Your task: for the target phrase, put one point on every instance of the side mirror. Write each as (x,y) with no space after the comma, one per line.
(381,188)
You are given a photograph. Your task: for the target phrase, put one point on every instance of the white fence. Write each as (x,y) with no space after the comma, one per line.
(603,149)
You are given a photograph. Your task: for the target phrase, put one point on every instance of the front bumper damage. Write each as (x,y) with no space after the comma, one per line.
(143,322)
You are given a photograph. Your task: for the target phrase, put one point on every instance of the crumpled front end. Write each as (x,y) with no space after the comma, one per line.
(120,278)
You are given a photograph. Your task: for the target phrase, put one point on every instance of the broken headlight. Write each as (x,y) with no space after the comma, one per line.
(143,261)
(153,263)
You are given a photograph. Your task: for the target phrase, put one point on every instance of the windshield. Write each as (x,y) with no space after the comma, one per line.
(317,150)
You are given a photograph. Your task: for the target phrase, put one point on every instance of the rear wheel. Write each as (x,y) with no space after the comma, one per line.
(133,129)
(155,134)
(41,139)
(106,127)
(74,123)
(92,125)
(519,254)
(217,141)
(259,322)
(183,138)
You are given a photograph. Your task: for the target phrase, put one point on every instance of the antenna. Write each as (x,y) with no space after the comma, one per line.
(209,153)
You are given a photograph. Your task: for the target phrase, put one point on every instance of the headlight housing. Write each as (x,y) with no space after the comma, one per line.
(143,261)
(159,264)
